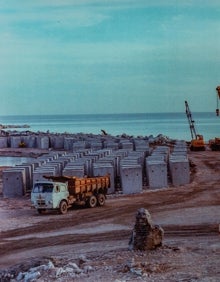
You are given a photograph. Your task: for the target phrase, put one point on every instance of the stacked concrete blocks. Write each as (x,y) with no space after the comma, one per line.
(156,168)
(129,166)
(126,144)
(28,175)
(179,165)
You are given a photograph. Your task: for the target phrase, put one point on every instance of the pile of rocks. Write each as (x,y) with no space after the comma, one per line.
(49,271)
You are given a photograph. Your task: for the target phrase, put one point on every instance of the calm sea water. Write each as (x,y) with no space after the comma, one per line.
(12,161)
(173,125)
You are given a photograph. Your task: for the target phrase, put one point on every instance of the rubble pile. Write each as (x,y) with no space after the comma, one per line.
(145,235)
(49,271)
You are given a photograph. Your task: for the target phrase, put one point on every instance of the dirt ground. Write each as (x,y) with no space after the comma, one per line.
(92,244)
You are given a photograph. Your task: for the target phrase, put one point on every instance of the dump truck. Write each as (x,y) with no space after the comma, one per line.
(62,192)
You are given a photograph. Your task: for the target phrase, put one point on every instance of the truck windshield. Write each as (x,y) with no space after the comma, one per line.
(43,188)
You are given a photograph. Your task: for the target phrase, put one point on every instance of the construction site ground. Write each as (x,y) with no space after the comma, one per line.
(98,237)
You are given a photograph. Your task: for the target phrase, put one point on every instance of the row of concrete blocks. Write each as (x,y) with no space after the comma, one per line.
(164,166)
(19,179)
(128,166)
(60,142)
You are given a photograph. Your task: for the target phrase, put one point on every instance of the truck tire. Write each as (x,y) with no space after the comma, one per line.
(101,199)
(63,207)
(40,211)
(92,202)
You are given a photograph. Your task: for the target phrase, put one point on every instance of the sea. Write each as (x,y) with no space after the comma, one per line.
(172,125)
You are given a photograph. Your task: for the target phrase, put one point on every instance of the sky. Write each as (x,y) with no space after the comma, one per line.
(108,56)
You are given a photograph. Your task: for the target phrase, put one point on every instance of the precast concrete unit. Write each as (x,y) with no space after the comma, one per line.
(73,169)
(142,145)
(179,170)
(78,145)
(15,141)
(57,142)
(14,182)
(156,172)
(162,151)
(28,175)
(102,169)
(68,143)
(126,144)
(38,174)
(43,142)
(96,145)
(111,144)
(131,178)
(29,141)
(3,142)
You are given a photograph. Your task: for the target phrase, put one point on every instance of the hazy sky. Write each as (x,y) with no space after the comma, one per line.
(108,56)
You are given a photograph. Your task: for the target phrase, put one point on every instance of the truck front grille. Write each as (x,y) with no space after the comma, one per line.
(41,203)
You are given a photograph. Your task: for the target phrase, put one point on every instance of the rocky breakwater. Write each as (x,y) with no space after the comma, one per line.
(6,126)
(68,141)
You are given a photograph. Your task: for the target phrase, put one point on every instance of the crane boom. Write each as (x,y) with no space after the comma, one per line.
(218,97)
(191,121)
(197,142)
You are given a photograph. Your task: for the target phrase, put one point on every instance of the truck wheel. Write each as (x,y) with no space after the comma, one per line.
(101,199)
(39,211)
(63,207)
(92,202)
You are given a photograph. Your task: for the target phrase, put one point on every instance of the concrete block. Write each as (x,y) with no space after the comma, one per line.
(38,175)
(156,172)
(131,178)
(3,142)
(57,141)
(126,144)
(79,145)
(179,170)
(68,143)
(15,141)
(29,141)
(28,175)
(111,145)
(74,170)
(14,182)
(102,169)
(96,145)
(43,142)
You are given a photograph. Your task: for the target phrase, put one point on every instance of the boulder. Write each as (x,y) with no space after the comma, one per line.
(145,235)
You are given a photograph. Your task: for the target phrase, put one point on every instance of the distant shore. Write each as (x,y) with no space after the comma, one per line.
(2,126)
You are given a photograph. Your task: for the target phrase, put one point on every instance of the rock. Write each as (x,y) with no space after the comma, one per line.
(88,268)
(74,267)
(145,236)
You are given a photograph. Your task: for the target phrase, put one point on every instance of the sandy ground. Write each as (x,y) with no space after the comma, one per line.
(189,215)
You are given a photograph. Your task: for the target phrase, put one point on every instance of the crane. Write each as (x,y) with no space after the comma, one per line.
(197,142)
(214,144)
(218,97)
